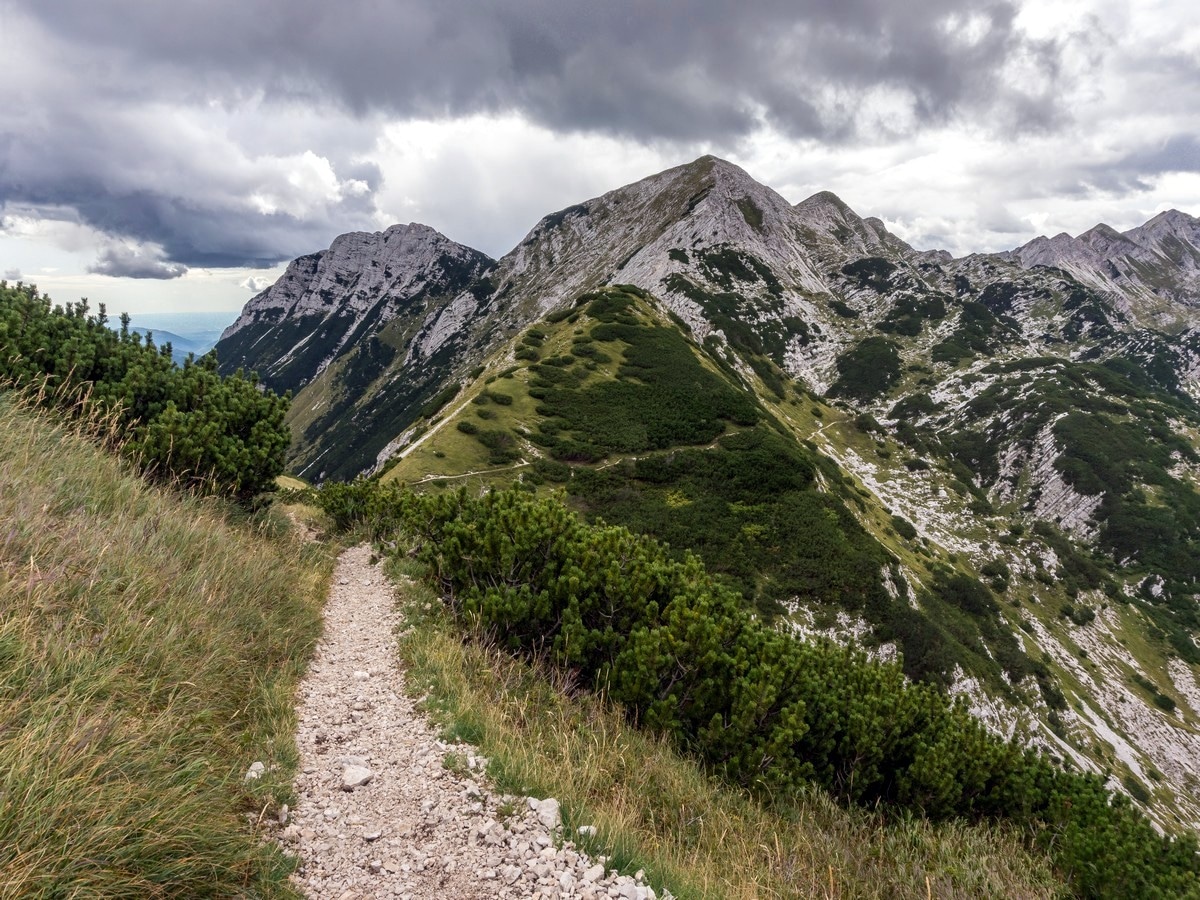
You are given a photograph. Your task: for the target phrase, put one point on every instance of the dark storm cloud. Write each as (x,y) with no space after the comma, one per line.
(129,262)
(88,121)
(1135,171)
(1178,153)
(663,70)
(134,155)
(198,223)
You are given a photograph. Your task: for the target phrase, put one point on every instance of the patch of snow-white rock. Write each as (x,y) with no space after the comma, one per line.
(1137,734)
(1057,501)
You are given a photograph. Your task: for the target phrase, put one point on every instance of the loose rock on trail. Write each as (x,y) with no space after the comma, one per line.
(379,812)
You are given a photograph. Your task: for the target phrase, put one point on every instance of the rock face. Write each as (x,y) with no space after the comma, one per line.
(1157,261)
(337,323)
(371,330)
(1032,412)
(696,236)
(328,302)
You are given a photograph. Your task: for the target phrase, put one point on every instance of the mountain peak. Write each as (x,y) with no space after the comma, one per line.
(710,163)
(707,170)
(824,200)
(1172,215)
(827,213)
(363,276)
(1106,241)
(412,234)
(1156,260)
(1169,222)
(1100,230)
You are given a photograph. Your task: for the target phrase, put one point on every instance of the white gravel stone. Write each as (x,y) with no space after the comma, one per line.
(549,813)
(356,776)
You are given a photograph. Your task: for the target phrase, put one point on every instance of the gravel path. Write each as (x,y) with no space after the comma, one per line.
(379,813)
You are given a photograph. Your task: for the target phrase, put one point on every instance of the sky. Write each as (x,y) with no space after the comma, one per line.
(175,156)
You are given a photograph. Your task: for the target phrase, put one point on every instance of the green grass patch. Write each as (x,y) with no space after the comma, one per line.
(150,646)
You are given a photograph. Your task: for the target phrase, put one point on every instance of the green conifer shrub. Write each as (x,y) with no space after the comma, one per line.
(680,652)
(186,423)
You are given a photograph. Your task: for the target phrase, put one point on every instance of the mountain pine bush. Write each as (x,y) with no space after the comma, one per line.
(182,423)
(683,656)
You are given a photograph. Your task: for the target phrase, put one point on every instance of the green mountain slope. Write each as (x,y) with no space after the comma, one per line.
(617,406)
(644,428)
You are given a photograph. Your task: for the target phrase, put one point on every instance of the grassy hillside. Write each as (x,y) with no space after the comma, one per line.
(149,649)
(873,532)
(642,427)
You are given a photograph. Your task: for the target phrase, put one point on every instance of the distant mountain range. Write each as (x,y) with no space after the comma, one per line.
(186,332)
(989,464)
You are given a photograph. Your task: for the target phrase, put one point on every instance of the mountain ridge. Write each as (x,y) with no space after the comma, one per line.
(1029,425)
(362,277)
(700,235)
(1157,259)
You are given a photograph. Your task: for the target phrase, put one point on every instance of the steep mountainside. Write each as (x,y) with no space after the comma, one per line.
(989,464)
(1159,260)
(336,322)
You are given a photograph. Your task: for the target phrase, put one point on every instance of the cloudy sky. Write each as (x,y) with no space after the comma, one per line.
(174,156)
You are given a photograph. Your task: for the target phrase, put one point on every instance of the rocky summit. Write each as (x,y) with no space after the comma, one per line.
(986,465)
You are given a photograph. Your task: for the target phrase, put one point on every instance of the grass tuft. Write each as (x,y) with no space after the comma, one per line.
(150,645)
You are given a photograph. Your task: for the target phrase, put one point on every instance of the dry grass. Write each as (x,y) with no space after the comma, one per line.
(149,649)
(656,811)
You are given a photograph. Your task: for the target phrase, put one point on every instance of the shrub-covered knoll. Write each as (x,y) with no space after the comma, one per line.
(663,395)
(978,331)
(750,508)
(909,313)
(872,271)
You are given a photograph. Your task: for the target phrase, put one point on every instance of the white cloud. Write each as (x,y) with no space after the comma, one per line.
(257,284)
(300,185)
(55,226)
(486,181)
